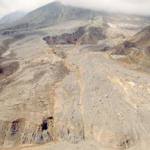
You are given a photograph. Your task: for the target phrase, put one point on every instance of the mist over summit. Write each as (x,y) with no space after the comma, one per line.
(123,6)
(56,12)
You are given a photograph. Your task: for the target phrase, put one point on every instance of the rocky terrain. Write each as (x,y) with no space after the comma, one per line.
(83,35)
(136,49)
(63,88)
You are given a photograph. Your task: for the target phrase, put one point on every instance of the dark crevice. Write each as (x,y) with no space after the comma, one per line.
(126,143)
(50,118)
(44,125)
(9,68)
(68,131)
(47,122)
(15,127)
(1,71)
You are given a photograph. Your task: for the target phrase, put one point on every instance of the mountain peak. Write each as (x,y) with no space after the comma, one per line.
(50,14)
(56,3)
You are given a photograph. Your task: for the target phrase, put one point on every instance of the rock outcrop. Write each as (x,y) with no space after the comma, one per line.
(141,41)
(136,50)
(83,35)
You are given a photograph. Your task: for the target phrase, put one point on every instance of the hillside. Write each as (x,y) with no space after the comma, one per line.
(70,97)
(136,50)
(142,38)
(60,87)
(56,12)
(12,17)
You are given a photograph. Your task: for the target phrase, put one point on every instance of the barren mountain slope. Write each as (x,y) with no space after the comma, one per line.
(58,90)
(69,95)
(56,12)
(12,17)
(136,50)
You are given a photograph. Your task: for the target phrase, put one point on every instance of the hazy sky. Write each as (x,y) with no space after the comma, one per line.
(127,6)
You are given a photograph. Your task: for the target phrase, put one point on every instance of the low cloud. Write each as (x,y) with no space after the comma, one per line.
(8,6)
(140,7)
